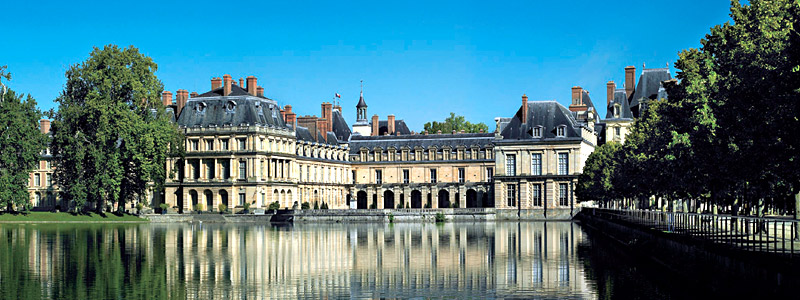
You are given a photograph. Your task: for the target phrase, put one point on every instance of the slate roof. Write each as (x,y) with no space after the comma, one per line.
(649,85)
(399,127)
(361,102)
(303,134)
(549,115)
(340,128)
(425,141)
(233,110)
(620,97)
(600,130)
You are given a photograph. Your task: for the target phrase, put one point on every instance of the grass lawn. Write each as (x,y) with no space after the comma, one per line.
(39,216)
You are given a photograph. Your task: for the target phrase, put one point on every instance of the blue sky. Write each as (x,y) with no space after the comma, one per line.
(419,60)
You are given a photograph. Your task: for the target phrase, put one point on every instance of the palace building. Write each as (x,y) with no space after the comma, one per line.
(245,150)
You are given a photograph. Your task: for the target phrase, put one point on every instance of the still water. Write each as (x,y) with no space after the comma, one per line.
(225,261)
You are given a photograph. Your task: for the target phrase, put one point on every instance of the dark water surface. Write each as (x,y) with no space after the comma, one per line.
(225,261)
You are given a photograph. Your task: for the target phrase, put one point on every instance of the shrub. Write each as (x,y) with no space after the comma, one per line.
(406,205)
(391,218)
(222,208)
(323,206)
(163,206)
(428,205)
(372,206)
(139,207)
(316,205)
(274,205)
(199,207)
(246,207)
(454,205)
(305,205)
(400,205)
(439,217)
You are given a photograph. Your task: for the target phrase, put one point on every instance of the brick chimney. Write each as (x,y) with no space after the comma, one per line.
(577,95)
(630,80)
(194,94)
(260,91)
(166,98)
(216,83)
(252,85)
(283,114)
(180,99)
(327,114)
(524,108)
(44,126)
(322,129)
(390,125)
(241,82)
(289,116)
(227,80)
(375,127)
(610,87)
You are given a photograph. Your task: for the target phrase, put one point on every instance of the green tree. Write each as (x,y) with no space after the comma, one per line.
(21,143)
(111,135)
(596,182)
(456,123)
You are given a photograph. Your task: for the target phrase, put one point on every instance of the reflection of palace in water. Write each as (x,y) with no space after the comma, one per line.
(404,260)
(458,260)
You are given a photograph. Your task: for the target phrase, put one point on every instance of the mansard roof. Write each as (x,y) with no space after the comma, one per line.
(399,127)
(424,141)
(621,99)
(239,107)
(649,85)
(340,128)
(547,114)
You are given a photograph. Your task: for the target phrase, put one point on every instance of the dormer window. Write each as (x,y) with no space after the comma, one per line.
(230,107)
(537,132)
(200,107)
(561,131)
(616,110)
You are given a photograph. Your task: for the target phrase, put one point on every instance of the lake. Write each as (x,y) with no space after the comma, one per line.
(547,260)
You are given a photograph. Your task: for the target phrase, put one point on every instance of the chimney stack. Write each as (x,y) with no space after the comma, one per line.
(289,116)
(322,129)
(252,85)
(390,125)
(630,80)
(327,113)
(260,91)
(216,83)
(577,95)
(375,127)
(524,108)
(241,82)
(610,87)
(194,94)
(227,80)
(180,99)
(44,126)
(166,98)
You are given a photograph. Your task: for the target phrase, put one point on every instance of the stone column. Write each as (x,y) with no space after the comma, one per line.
(380,198)
(434,192)
(523,194)
(462,196)
(451,195)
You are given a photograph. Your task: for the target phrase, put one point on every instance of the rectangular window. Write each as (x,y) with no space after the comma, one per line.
(537,132)
(193,145)
(242,144)
(511,165)
(537,195)
(405,176)
(210,169)
(196,169)
(489,173)
(242,170)
(209,145)
(617,131)
(242,199)
(563,193)
(49,179)
(511,195)
(378,177)
(536,164)
(461,175)
(223,169)
(561,131)
(37,180)
(433,175)
(47,165)
(563,163)
(223,144)
(354,176)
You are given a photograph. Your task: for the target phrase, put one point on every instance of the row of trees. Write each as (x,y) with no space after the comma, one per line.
(727,136)
(110,140)
(456,123)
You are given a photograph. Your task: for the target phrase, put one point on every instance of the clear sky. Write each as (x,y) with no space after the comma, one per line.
(419,60)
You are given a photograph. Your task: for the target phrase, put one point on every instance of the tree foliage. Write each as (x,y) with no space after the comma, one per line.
(111,135)
(596,181)
(21,143)
(456,123)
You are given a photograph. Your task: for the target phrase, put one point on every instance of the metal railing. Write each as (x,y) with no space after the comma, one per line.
(771,235)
